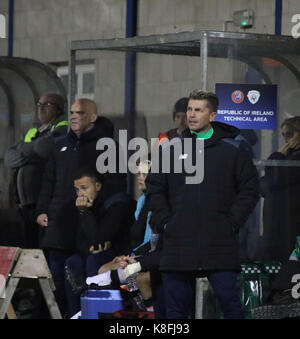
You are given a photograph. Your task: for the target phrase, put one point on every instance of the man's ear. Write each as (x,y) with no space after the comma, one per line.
(212,116)
(94,117)
(98,186)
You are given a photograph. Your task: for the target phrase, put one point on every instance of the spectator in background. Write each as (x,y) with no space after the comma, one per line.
(28,158)
(70,152)
(179,117)
(281,188)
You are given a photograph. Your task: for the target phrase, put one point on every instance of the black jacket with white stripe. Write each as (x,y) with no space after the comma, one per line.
(199,222)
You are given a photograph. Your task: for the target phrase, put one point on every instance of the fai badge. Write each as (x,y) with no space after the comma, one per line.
(253,96)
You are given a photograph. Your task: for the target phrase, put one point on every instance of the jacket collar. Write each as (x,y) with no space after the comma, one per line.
(103,127)
(86,136)
(207,142)
(221,131)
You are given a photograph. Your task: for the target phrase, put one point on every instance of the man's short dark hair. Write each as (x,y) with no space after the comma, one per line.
(210,97)
(90,173)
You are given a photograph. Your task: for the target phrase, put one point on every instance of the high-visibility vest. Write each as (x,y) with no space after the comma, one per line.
(33,131)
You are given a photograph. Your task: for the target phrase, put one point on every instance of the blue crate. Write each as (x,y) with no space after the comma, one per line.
(104,301)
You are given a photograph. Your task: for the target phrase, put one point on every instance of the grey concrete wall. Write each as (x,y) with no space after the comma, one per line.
(170,16)
(44,29)
(289,8)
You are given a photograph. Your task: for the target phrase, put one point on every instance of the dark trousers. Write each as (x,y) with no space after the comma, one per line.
(179,293)
(150,262)
(157,295)
(56,262)
(87,267)
(78,265)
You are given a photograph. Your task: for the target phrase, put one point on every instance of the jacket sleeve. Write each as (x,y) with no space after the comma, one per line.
(247,187)
(49,179)
(138,228)
(87,232)
(18,155)
(116,216)
(22,152)
(94,230)
(156,192)
(43,145)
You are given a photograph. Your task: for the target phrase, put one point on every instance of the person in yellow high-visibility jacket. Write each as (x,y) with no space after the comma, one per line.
(28,157)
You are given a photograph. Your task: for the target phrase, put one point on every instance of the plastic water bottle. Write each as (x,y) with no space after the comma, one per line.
(131,283)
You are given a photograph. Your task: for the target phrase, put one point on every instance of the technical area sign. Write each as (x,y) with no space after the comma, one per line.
(247,106)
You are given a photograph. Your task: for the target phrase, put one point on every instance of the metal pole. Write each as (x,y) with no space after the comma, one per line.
(278,26)
(72,78)
(11,28)
(278,17)
(203,55)
(130,81)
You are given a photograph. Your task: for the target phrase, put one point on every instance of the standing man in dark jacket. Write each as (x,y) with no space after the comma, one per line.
(75,150)
(28,158)
(200,221)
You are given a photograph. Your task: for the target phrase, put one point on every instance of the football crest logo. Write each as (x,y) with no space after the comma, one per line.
(237,96)
(253,96)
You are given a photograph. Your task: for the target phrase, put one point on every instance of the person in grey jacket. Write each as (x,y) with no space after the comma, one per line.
(27,159)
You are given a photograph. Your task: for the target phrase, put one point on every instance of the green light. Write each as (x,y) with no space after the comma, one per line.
(244,23)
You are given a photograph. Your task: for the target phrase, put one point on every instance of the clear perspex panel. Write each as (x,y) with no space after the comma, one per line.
(244,62)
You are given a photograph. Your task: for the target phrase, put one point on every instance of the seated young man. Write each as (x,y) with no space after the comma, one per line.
(142,259)
(104,218)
